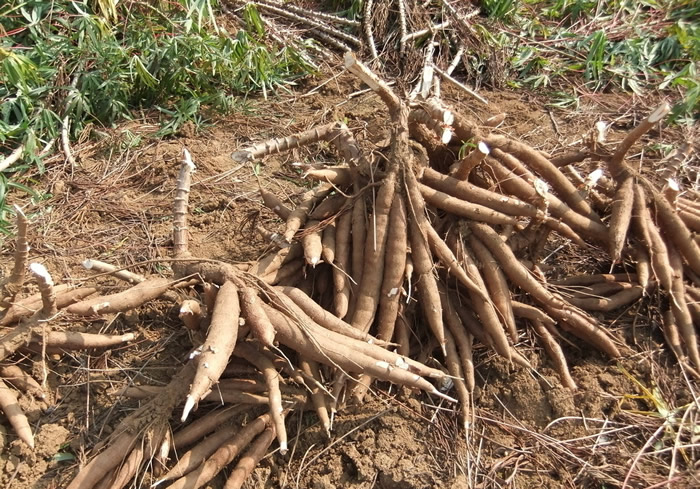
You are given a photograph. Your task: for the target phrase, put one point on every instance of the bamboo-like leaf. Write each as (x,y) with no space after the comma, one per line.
(143,74)
(253,21)
(596,54)
(107,9)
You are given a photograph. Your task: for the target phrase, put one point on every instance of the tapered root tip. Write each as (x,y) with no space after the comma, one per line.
(242,156)
(444,396)
(189,404)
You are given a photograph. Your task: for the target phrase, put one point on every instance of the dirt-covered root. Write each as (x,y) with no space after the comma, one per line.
(143,430)
(473,215)
(295,329)
(10,407)
(509,193)
(211,462)
(27,327)
(382,243)
(532,192)
(270,318)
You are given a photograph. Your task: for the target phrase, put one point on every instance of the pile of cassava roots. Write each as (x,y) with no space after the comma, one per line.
(390,268)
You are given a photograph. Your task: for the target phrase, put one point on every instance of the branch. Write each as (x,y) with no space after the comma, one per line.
(312,14)
(182,197)
(317,26)
(10,286)
(367,27)
(428,30)
(373,81)
(616,164)
(402,26)
(21,249)
(102,267)
(278,145)
(461,85)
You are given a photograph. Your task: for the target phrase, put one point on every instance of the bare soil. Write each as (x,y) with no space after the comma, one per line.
(528,430)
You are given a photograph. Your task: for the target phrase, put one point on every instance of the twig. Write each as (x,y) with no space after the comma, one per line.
(317,26)
(277,145)
(660,430)
(460,18)
(458,84)
(65,141)
(65,130)
(402,26)
(367,27)
(102,267)
(427,79)
(423,32)
(455,60)
(313,14)
(17,276)
(376,84)
(340,45)
(616,162)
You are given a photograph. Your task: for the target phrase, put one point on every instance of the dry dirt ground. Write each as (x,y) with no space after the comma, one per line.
(528,430)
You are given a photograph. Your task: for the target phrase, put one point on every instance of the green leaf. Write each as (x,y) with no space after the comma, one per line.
(596,56)
(144,75)
(63,457)
(252,19)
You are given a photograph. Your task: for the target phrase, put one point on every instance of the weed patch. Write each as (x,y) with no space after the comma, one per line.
(68,64)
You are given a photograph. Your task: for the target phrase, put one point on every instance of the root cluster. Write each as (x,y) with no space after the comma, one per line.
(384,249)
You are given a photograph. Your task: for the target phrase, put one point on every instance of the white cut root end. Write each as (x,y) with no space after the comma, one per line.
(41,273)
(659,113)
(601,129)
(187,159)
(446,136)
(189,404)
(594,177)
